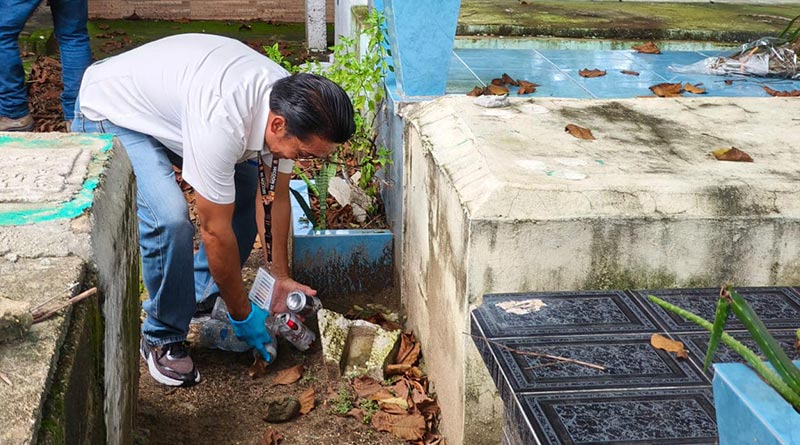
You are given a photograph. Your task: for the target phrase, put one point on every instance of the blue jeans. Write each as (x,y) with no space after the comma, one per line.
(69,20)
(175,278)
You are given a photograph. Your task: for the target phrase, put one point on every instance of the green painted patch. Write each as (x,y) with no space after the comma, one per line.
(83,198)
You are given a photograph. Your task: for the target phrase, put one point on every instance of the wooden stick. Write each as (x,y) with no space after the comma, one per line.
(43,315)
(537,354)
(5,379)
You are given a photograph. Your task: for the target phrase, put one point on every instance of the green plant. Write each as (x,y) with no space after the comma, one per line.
(360,72)
(370,407)
(785,378)
(343,402)
(788,33)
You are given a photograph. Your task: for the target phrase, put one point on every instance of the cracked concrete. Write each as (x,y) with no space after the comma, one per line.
(504,200)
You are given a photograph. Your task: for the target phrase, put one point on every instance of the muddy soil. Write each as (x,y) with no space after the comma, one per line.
(228,407)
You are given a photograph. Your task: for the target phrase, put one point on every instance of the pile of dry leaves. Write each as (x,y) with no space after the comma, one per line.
(401,405)
(44,95)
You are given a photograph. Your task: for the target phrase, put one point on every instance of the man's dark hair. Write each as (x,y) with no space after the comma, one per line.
(313,105)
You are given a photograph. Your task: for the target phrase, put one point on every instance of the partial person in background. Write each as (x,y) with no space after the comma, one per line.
(69,21)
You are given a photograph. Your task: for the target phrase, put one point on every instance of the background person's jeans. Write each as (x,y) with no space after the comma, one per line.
(174,278)
(69,20)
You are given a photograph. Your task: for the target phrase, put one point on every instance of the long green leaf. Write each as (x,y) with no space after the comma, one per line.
(322,180)
(788,27)
(766,343)
(721,317)
(304,205)
(751,357)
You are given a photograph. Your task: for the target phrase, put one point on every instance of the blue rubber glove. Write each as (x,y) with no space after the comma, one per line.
(253,330)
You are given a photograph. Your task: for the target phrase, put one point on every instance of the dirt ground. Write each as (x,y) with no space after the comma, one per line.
(228,407)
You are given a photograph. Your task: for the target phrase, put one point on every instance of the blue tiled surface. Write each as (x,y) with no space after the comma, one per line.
(644,396)
(697,344)
(557,72)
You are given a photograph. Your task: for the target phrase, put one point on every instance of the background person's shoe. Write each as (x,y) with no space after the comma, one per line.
(24,123)
(170,364)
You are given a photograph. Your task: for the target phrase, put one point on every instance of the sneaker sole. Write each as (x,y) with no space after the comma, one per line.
(161,378)
(25,128)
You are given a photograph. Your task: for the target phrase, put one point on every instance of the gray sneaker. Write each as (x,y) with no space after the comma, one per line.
(170,364)
(24,123)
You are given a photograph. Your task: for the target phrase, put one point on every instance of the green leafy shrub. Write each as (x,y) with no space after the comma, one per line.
(361,75)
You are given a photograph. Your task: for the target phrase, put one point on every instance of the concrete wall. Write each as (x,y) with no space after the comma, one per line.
(488,208)
(269,10)
(68,223)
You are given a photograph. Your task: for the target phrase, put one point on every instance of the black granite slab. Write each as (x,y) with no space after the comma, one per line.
(646,396)
(629,360)
(564,313)
(660,416)
(778,307)
(697,344)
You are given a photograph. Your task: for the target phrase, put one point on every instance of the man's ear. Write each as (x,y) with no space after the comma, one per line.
(277,124)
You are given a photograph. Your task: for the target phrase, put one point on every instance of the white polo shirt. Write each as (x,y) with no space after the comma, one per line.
(204,97)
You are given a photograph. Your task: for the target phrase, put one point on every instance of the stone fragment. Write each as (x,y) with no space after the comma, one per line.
(15,319)
(492,101)
(282,410)
(356,348)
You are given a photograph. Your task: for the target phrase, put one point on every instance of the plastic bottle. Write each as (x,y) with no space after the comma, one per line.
(217,334)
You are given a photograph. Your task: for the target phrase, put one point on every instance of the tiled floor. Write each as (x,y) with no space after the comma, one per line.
(557,72)
(644,396)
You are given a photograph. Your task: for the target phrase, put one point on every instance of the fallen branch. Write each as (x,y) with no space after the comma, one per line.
(44,314)
(537,354)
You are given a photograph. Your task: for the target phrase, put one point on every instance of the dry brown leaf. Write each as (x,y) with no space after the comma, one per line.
(526,87)
(401,388)
(647,48)
(498,82)
(271,437)
(509,80)
(667,89)
(258,369)
(366,386)
(410,427)
(477,91)
(288,376)
(382,421)
(418,396)
(591,73)
(399,401)
(689,88)
(428,408)
(357,413)
(409,350)
(306,401)
(630,73)
(383,394)
(658,341)
(415,372)
(579,132)
(776,93)
(731,154)
(496,90)
(397,369)
(393,408)
(433,439)
(728,82)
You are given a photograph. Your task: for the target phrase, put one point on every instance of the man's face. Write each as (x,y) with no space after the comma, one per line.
(284,146)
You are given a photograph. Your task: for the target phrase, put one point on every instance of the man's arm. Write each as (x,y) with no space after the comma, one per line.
(223,254)
(281,222)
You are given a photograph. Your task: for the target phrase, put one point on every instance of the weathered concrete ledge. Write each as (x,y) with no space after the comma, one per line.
(67,222)
(504,200)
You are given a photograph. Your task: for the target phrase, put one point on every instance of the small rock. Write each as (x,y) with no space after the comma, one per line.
(492,101)
(15,319)
(282,410)
(12,257)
